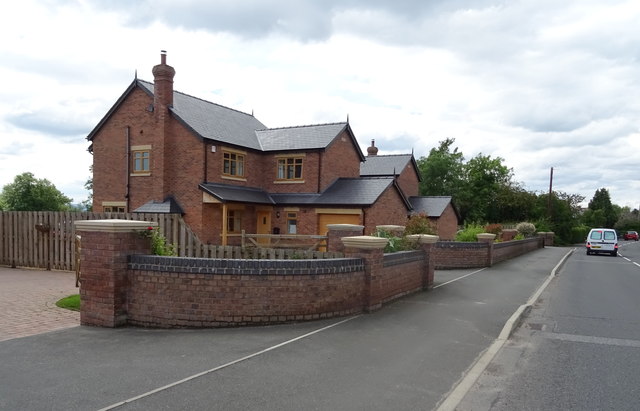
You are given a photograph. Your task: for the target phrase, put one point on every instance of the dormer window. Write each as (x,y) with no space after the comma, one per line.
(290,168)
(233,164)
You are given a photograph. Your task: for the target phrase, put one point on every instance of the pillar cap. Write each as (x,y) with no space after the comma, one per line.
(424,238)
(113,226)
(486,236)
(365,242)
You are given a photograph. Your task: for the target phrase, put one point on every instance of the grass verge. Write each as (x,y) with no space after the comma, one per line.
(71,302)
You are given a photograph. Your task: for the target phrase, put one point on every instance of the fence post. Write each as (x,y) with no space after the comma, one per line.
(106,245)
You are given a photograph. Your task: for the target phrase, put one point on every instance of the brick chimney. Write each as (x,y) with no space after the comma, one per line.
(162,140)
(163,83)
(373,150)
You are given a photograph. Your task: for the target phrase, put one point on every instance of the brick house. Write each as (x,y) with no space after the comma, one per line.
(159,150)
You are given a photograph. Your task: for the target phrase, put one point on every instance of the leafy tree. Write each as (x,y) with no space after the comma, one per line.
(602,212)
(88,203)
(484,178)
(27,193)
(441,170)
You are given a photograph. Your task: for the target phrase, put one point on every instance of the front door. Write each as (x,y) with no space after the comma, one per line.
(263,226)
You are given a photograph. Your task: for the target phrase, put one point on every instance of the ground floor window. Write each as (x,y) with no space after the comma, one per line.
(234,221)
(292,223)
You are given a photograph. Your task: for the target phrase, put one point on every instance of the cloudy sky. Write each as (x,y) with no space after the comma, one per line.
(540,83)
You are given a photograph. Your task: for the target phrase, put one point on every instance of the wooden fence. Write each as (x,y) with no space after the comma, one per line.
(43,239)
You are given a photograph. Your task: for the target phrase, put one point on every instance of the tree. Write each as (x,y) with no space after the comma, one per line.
(27,193)
(484,178)
(601,211)
(88,203)
(442,170)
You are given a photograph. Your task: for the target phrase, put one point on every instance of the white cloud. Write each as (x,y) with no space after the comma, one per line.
(539,83)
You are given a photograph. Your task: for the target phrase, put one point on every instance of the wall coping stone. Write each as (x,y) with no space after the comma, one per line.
(113,226)
(365,242)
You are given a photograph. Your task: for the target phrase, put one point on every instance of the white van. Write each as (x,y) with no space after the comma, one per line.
(602,240)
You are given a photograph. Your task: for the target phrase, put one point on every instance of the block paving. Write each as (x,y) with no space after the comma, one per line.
(28,302)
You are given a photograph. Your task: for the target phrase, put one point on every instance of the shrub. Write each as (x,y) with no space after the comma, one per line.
(469,233)
(493,229)
(159,244)
(526,229)
(396,244)
(419,224)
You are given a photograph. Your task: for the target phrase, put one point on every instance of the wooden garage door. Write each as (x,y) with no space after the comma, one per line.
(326,219)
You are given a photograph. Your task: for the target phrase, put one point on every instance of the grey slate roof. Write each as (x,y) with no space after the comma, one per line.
(213,121)
(355,191)
(230,193)
(299,138)
(363,191)
(168,206)
(432,206)
(384,165)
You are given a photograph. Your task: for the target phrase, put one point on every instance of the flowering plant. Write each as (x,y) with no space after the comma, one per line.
(159,244)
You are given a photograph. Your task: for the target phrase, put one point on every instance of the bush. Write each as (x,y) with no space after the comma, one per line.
(469,233)
(159,244)
(526,229)
(396,244)
(493,229)
(419,224)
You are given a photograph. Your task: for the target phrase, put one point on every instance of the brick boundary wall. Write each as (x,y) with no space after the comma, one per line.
(121,284)
(170,292)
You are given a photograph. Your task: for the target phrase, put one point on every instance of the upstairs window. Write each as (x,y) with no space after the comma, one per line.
(233,164)
(140,159)
(290,168)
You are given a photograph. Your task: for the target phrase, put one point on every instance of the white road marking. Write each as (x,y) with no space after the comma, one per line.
(459,278)
(200,374)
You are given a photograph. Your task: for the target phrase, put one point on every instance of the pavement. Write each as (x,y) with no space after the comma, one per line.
(415,353)
(28,302)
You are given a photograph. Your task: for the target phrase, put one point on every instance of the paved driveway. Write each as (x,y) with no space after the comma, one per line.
(28,302)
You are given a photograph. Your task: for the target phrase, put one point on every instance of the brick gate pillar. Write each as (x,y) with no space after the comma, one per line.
(371,250)
(337,231)
(105,247)
(427,243)
(488,239)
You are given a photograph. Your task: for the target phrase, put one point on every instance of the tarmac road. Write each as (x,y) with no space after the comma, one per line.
(406,356)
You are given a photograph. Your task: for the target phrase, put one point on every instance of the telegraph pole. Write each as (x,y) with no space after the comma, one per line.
(550,193)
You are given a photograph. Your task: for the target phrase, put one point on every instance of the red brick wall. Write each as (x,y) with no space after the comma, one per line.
(109,151)
(447,224)
(510,249)
(449,255)
(340,159)
(161,299)
(388,210)
(408,181)
(399,280)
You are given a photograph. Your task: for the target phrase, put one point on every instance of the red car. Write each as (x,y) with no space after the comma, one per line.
(631,235)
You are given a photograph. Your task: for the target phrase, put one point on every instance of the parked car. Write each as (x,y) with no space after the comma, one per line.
(631,235)
(602,240)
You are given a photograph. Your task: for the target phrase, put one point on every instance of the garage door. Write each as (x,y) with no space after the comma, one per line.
(326,219)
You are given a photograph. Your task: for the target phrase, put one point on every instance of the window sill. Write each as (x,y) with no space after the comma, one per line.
(233,178)
(289,182)
(140,174)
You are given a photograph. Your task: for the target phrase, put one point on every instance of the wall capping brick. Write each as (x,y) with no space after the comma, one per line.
(113,226)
